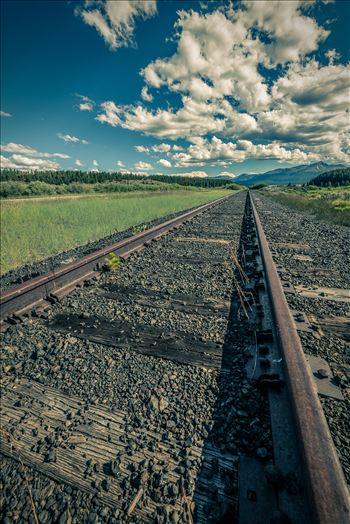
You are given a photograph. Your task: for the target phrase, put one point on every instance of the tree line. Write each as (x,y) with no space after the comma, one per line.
(335,178)
(92,177)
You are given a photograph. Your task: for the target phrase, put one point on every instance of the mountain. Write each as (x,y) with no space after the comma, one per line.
(290,175)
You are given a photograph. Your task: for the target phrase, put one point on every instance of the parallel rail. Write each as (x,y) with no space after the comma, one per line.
(328,494)
(21,299)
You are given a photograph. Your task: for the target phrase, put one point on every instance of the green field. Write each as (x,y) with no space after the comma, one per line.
(331,204)
(34,229)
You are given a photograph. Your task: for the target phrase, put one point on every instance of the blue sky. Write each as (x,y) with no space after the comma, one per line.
(196,87)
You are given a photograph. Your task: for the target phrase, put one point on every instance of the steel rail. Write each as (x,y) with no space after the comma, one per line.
(20,299)
(327,490)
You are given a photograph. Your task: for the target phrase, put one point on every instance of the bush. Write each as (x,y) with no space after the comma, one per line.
(260,185)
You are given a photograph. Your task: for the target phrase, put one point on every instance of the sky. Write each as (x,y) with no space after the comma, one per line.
(203,88)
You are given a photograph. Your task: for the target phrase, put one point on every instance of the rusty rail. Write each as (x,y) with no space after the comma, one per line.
(21,299)
(327,489)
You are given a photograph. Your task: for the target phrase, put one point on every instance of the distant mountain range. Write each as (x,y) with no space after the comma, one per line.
(290,175)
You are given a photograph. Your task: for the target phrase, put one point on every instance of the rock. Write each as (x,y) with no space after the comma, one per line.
(261,453)
(323,373)
(65,518)
(50,456)
(163,404)
(154,402)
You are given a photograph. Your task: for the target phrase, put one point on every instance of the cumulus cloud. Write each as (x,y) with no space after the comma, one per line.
(12,147)
(24,163)
(115,21)
(221,70)
(110,114)
(86,103)
(145,95)
(143,166)
(227,174)
(120,163)
(4,114)
(95,163)
(142,149)
(71,138)
(193,118)
(165,163)
(206,151)
(86,106)
(161,148)
(157,148)
(79,163)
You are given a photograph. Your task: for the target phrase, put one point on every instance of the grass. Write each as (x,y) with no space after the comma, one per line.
(325,203)
(35,229)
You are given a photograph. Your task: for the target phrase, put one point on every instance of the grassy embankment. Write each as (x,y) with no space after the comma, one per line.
(33,230)
(331,204)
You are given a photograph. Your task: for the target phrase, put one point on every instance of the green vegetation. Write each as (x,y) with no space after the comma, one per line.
(326,203)
(33,230)
(16,184)
(258,186)
(336,178)
(112,262)
(13,189)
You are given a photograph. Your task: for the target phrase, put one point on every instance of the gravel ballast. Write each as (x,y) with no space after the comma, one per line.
(184,404)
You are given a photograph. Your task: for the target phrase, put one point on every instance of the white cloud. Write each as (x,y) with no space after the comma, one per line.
(115,21)
(161,148)
(157,148)
(79,163)
(227,174)
(193,118)
(86,106)
(145,95)
(332,55)
(95,163)
(71,138)
(110,115)
(24,163)
(220,71)
(142,149)
(12,147)
(4,114)
(293,34)
(143,166)
(165,163)
(222,153)
(120,163)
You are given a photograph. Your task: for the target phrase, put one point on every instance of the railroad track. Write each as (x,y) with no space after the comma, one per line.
(172,390)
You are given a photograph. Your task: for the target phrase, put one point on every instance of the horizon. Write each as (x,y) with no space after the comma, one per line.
(158,89)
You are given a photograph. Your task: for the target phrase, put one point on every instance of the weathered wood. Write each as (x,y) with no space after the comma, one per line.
(316,271)
(325,293)
(189,304)
(32,414)
(291,245)
(339,326)
(141,338)
(202,240)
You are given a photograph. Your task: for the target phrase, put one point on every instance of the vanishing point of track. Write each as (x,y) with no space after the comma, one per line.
(232,428)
